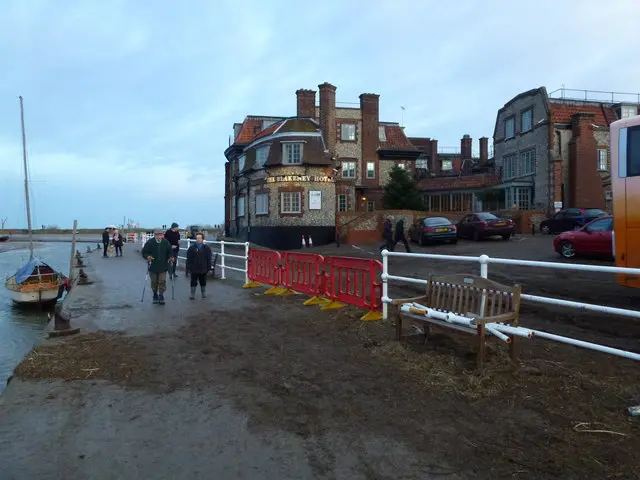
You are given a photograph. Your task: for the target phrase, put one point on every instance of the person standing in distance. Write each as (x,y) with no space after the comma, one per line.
(198,264)
(173,236)
(157,251)
(105,241)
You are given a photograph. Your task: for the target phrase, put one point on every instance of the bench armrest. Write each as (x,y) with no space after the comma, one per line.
(401,301)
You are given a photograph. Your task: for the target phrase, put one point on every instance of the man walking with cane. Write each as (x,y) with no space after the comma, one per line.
(157,251)
(173,236)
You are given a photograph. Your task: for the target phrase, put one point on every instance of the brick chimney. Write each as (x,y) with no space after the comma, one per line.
(484,150)
(306,103)
(369,109)
(328,115)
(585,183)
(466,144)
(434,161)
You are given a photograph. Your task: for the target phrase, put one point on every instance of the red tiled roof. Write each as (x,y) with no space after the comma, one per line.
(562,111)
(267,131)
(248,130)
(396,139)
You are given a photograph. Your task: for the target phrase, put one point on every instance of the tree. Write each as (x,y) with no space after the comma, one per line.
(402,192)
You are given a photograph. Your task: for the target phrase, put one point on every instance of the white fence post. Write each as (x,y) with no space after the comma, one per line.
(246,263)
(484,273)
(222,260)
(385,285)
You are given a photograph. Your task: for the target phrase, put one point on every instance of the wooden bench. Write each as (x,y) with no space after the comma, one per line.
(466,295)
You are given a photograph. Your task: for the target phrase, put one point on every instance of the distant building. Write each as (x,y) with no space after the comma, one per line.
(288,177)
(455,182)
(552,151)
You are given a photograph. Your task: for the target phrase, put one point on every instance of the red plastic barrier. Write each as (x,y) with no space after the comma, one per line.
(353,281)
(302,272)
(264,267)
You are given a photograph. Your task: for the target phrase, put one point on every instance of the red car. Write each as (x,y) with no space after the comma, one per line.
(595,238)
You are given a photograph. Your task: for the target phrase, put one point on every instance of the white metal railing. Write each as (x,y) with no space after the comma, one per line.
(223,254)
(484,262)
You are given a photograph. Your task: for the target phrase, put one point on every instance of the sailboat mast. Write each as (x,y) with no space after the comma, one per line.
(26,179)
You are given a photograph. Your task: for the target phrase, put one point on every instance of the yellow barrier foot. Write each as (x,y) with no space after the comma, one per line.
(251,285)
(371,317)
(274,291)
(285,292)
(332,306)
(317,301)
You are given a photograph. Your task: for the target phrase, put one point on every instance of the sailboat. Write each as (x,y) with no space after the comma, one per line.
(35,282)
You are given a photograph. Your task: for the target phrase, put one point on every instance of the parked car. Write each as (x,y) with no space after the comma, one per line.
(595,238)
(433,229)
(484,225)
(570,219)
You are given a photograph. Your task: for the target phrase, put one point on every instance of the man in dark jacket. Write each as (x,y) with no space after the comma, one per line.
(173,237)
(105,241)
(387,235)
(157,251)
(198,264)
(400,235)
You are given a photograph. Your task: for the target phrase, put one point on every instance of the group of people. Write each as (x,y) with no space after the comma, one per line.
(112,240)
(161,253)
(391,238)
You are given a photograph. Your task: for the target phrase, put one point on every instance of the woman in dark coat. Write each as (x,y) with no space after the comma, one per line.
(117,242)
(198,264)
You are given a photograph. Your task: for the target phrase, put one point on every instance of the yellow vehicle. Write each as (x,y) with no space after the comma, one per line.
(625,186)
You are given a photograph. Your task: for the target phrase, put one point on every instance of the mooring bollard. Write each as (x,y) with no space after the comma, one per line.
(61,322)
(83,278)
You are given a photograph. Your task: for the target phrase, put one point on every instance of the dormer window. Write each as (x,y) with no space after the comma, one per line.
(292,153)
(261,155)
(241,160)
(382,134)
(627,111)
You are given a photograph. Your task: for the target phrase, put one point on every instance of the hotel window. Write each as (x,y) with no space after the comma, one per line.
(509,128)
(603,163)
(348,132)
(371,205)
(382,134)
(447,165)
(509,167)
(627,111)
(241,160)
(261,155)
(348,169)
(290,202)
(292,153)
(422,163)
(371,170)
(262,204)
(527,163)
(526,120)
(241,206)
(342,203)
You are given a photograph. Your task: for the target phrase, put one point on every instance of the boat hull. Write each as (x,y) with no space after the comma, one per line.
(34,298)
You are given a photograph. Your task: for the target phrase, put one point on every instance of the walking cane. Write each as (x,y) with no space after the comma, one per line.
(146,280)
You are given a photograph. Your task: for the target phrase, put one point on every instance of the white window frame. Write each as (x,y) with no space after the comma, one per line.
(262,203)
(528,112)
(527,165)
(509,166)
(603,160)
(241,162)
(628,111)
(288,153)
(347,167)
(510,132)
(241,206)
(449,164)
(422,163)
(294,208)
(348,132)
(382,133)
(371,170)
(262,151)
(342,197)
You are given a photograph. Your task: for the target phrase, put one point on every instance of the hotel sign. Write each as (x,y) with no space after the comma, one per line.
(300,178)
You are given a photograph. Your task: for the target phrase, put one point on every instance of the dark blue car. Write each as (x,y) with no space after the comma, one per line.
(570,219)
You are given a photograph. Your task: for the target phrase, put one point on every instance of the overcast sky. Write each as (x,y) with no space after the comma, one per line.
(129,105)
